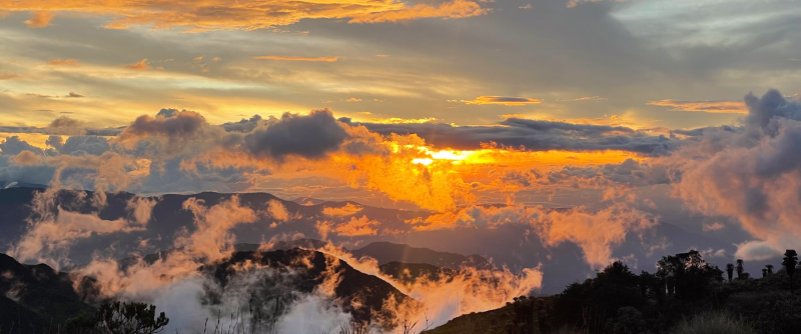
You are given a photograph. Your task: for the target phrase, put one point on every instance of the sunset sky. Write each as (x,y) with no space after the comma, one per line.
(643,63)
(419,104)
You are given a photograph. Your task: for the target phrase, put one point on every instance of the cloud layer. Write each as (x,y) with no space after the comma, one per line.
(241,15)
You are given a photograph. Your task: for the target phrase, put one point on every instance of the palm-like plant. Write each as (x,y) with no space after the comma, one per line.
(740,269)
(789,262)
(730,270)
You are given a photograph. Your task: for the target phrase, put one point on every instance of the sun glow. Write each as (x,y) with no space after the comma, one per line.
(452,156)
(515,157)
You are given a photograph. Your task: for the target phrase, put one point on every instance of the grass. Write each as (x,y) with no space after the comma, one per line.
(713,323)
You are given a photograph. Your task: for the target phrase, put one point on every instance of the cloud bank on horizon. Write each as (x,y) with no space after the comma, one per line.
(746,171)
(439,105)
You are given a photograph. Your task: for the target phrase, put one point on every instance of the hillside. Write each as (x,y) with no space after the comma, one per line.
(683,291)
(309,270)
(37,296)
(413,272)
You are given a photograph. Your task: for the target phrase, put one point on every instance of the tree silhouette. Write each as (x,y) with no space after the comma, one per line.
(130,318)
(730,270)
(769,267)
(789,262)
(764,272)
(594,302)
(688,275)
(740,269)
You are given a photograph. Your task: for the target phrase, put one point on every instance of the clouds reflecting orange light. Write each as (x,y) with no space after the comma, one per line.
(198,16)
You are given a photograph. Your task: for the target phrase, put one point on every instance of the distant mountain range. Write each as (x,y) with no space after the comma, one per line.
(386,252)
(508,245)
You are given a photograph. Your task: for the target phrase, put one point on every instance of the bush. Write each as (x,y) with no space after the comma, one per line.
(628,321)
(713,323)
(768,312)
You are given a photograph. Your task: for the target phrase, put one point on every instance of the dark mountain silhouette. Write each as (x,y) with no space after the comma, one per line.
(525,316)
(42,296)
(309,201)
(15,184)
(36,296)
(386,252)
(284,245)
(169,218)
(411,272)
(14,317)
(353,288)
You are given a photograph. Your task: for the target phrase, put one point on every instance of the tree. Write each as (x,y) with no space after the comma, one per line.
(769,267)
(740,269)
(789,262)
(592,303)
(688,275)
(764,272)
(730,270)
(130,318)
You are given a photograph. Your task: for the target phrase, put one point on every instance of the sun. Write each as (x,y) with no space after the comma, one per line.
(452,156)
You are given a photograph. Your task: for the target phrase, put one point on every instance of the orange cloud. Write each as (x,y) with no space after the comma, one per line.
(65,62)
(357,227)
(324,59)
(278,211)
(140,65)
(718,107)
(347,210)
(503,100)
(597,233)
(27,158)
(195,16)
(587,98)
(397,120)
(449,10)
(8,76)
(40,19)
(712,227)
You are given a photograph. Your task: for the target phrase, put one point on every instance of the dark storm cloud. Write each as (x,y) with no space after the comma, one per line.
(55,141)
(172,125)
(64,125)
(13,146)
(533,135)
(168,112)
(309,136)
(772,106)
(700,131)
(750,173)
(244,125)
(584,129)
(20,129)
(109,132)
(77,145)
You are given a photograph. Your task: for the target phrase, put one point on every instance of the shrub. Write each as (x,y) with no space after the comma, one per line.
(713,323)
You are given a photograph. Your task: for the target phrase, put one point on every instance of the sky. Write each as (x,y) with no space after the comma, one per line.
(672,108)
(677,64)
